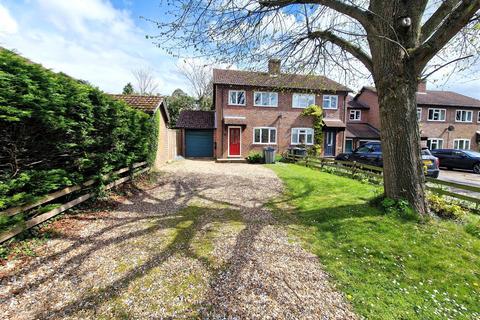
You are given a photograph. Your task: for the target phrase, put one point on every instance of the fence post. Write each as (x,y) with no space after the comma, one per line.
(321,163)
(306,161)
(354,168)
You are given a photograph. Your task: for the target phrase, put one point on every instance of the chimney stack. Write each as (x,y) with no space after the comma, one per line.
(274,66)
(422,86)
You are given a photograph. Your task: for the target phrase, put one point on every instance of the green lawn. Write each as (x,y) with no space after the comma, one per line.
(387,267)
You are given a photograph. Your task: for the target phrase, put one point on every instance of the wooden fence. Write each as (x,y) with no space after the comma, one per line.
(445,188)
(134,170)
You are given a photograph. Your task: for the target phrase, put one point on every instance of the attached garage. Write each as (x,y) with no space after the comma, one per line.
(197,131)
(198,143)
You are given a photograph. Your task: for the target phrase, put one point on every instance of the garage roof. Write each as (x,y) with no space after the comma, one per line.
(196,119)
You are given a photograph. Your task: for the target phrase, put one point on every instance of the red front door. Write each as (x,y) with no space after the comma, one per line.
(234,142)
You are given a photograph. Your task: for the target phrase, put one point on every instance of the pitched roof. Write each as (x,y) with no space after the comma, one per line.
(362,131)
(446,98)
(196,119)
(146,104)
(353,103)
(439,98)
(278,81)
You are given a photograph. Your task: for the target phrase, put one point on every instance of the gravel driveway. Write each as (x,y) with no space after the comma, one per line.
(198,243)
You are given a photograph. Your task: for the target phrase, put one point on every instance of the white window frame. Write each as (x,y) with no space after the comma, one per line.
(466,112)
(436,140)
(230,102)
(456,143)
(439,110)
(419,114)
(329,98)
(355,112)
(269,99)
(306,96)
(307,131)
(270,129)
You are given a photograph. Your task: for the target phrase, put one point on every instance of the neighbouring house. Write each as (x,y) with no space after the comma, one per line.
(156,107)
(197,133)
(258,109)
(446,119)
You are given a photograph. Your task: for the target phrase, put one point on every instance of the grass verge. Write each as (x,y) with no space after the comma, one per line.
(388,267)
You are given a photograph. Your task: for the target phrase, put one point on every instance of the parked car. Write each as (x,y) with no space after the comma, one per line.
(371,153)
(458,159)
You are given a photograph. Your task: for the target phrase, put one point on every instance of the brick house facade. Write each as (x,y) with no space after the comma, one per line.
(246,123)
(447,119)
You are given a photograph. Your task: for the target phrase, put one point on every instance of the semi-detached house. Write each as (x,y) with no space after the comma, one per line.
(258,109)
(447,119)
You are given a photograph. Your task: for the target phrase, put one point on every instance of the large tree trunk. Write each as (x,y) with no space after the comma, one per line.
(396,77)
(402,161)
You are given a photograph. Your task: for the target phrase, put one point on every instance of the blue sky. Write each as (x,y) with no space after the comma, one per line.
(96,40)
(102,41)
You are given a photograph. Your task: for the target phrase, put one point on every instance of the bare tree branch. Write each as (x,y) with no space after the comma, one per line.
(444,65)
(437,18)
(145,81)
(354,50)
(455,22)
(352,11)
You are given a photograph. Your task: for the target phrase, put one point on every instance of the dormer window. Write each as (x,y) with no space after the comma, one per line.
(355,115)
(330,102)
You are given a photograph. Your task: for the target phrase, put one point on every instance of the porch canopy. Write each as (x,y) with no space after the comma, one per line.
(235,120)
(362,131)
(334,123)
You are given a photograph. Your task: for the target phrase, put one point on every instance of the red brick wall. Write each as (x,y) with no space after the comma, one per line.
(436,129)
(283,117)
(370,99)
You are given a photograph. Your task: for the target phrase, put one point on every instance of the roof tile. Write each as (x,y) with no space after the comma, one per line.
(278,81)
(196,119)
(146,104)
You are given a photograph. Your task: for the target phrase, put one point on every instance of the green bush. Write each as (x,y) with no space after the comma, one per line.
(445,209)
(56,131)
(400,208)
(254,157)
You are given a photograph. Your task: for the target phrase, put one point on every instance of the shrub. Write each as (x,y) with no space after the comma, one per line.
(255,157)
(445,209)
(400,208)
(56,131)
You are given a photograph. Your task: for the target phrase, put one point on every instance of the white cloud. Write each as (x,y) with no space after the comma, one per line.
(8,25)
(90,40)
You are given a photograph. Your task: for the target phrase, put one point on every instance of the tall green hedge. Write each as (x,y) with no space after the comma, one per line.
(56,131)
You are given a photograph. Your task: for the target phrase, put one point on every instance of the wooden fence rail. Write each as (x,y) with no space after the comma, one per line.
(433,185)
(57,194)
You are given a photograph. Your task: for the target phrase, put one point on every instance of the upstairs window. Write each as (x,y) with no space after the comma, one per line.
(265,135)
(330,102)
(300,100)
(478,119)
(266,99)
(302,136)
(462,144)
(355,115)
(419,114)
(464,116)
(236,97)
(436,114)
